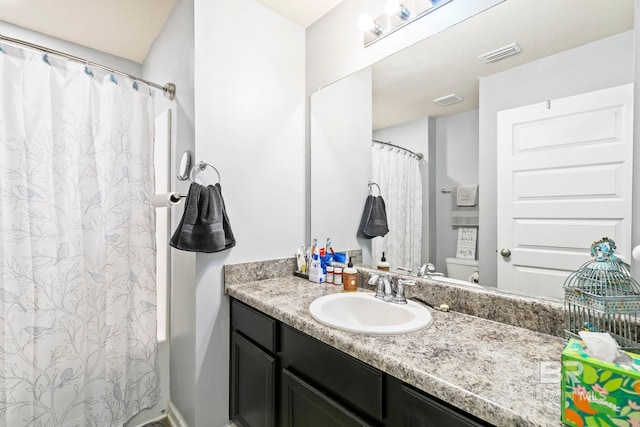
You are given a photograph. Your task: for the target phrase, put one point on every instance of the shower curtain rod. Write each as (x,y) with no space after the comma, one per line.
(169,89)
(418,155)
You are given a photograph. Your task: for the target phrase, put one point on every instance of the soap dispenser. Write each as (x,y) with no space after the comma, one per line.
(350,277)
(383,264)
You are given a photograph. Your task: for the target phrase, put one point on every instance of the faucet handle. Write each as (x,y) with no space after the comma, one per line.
(373,279)
(399,297)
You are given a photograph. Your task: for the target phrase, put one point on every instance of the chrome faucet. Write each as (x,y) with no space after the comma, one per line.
(428,270)
(385,290)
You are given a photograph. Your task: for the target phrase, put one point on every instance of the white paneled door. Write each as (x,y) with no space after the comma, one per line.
(564,181)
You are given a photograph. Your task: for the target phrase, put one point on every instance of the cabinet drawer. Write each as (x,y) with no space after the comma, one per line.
(345,378)
(254,325)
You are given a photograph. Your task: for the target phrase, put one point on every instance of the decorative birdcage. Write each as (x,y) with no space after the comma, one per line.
(602,296)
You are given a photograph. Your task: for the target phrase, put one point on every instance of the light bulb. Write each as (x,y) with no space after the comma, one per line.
(365,22)
(394,7)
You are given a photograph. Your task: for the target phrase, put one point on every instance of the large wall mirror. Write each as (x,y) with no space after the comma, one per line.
(570,49)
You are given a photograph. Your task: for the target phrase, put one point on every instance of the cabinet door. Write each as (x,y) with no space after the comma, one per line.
(305,406)
(418,410)
(253,387)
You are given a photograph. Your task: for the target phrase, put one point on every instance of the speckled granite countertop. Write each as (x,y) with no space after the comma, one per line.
(503,374)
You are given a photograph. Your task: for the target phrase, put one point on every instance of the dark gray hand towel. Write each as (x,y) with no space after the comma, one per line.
(377,223)
(203,224)
(366,213)
(374,218)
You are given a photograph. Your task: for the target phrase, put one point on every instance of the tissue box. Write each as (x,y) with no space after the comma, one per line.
(596,393)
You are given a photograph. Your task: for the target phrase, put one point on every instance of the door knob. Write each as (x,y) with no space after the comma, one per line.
(506,253)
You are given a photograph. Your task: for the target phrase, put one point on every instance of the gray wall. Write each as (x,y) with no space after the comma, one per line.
(250,123)
(171,60)
(456,163)
(598,65)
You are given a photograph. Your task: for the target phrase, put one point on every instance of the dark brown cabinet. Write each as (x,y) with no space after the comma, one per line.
(283,377)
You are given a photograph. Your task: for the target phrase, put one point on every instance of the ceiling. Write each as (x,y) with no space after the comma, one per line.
(406,83)
(111,25)
(302,12)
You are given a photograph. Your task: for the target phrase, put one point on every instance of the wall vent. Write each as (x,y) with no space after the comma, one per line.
(501,53)
(452,98)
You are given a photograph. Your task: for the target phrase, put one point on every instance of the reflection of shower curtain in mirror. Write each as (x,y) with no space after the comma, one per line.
(77,245)
(398,174)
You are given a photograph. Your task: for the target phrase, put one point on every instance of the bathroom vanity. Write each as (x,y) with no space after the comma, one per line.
(289,370)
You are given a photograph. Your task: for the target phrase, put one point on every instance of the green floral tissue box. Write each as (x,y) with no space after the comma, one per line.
(596,393)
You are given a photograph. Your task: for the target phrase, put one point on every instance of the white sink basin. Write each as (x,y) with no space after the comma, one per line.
(362,313)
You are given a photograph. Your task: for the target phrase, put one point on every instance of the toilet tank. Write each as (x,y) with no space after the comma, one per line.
(461,268)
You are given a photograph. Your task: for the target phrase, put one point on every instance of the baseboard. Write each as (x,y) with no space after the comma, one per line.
(174,416)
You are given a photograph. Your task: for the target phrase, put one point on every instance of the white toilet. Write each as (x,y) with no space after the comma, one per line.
(461,268)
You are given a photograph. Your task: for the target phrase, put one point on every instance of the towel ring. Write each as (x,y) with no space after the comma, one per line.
(202,165)
(371,184)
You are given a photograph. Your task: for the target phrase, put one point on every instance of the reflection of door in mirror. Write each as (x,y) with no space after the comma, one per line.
(564,167)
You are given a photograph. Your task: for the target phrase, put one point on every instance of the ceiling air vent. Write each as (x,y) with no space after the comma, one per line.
(503,52)
(452,98)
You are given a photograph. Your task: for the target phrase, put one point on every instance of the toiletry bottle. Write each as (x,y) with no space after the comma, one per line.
(350,277)
(383,264)
(337,275)
(330,273)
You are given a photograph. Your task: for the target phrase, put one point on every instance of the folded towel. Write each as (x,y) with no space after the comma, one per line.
(374,218)
(204,226)
(463,215)
(467,195)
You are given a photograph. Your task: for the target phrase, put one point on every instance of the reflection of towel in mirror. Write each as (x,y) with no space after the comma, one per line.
(204,226)
(374,218)
(467,195)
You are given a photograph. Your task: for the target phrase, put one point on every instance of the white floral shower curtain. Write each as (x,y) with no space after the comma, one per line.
(77,248)
(398,175)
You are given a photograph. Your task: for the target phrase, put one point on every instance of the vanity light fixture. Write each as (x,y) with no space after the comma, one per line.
(396,16)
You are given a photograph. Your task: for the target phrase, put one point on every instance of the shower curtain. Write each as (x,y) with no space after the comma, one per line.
(77,248)
(398,175)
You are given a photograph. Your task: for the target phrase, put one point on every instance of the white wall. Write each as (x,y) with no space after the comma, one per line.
(414,136)
(335,46)
(456,163)
(598,65)
(341,122)
(171,59)
(250,123)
